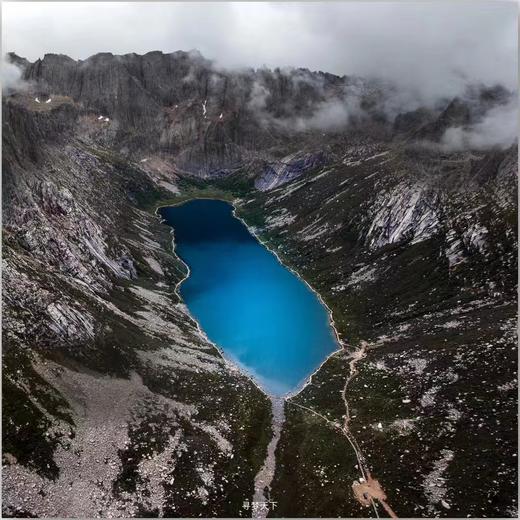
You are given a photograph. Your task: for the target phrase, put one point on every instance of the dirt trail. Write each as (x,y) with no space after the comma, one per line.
(368,489)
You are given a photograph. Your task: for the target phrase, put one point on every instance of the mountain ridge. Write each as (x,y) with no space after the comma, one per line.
(211,119)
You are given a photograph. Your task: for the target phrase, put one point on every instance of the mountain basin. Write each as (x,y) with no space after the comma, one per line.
(257,311)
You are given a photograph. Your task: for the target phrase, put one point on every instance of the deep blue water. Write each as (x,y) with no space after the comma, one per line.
(261,314)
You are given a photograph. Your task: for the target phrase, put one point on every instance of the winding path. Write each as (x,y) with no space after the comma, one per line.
(368,490)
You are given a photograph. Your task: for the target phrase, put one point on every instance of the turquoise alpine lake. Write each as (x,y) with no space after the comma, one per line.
(257,311)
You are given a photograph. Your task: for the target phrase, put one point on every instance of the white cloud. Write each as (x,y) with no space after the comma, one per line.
(429,48)
(11,76)
(499,128)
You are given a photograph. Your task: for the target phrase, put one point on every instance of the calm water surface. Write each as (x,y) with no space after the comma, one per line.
(260,313)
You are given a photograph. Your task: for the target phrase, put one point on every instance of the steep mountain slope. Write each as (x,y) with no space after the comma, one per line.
(417,261)
(109,388)
(410,241)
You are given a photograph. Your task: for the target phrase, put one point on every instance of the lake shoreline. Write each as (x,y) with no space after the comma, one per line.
(230,362)
(227,357)
(332,323)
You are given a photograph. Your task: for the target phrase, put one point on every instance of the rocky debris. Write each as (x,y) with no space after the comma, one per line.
(434,483)
(95,341)
(406,213)
(264,477)
(280,219)
(362,275)
(91,461)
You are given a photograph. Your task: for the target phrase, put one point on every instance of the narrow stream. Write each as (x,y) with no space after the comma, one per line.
(265,476)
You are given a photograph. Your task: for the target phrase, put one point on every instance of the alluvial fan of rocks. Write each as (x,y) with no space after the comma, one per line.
(115,403)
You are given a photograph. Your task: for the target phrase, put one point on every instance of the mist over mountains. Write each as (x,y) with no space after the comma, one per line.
(435,49)
(212,118)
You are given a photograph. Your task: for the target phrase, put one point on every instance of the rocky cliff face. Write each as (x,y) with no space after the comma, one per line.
(114,403)
(109,387)
(208,121)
